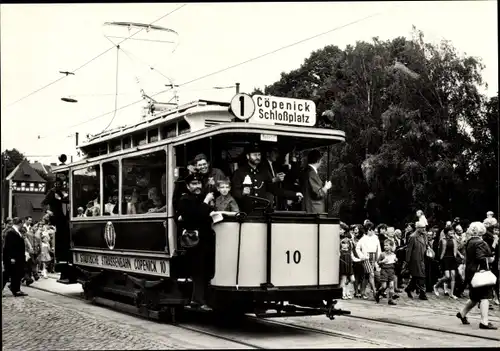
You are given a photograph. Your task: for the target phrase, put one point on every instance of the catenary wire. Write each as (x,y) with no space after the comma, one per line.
(116,88)
(230,67)
(93,59)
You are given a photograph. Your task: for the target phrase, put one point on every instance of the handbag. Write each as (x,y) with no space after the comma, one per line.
(430,252)
(483,278)
(189,238)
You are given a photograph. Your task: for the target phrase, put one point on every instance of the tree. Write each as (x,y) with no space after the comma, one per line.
(11,159)
(402,104)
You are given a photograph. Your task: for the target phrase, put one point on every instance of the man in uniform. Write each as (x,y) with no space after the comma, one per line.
(194,211)
(55,199)
(252,179)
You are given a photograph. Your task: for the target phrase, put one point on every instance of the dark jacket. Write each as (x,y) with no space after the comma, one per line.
(56,205)
(476,253)
(262,186)
(195,214)
(14,248)
(415,255)
(312,189)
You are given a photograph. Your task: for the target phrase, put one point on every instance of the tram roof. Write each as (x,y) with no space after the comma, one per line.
(204,119)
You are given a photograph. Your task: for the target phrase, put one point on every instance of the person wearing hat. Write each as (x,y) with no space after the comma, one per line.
(193,212)
(252,179)
(313,188)
(14,258)
(415,258)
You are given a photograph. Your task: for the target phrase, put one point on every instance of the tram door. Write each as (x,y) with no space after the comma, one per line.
(60,218)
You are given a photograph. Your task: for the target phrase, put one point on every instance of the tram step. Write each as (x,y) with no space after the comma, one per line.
(127,293)
(127,308)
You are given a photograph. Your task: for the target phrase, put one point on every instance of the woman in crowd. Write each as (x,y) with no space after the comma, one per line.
(368,249)
(448,258)
(478,256)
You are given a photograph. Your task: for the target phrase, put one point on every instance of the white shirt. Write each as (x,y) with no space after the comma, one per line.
(271,167)
(315,170)
(368,243)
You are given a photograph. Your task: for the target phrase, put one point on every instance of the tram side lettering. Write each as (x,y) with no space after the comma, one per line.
(158,267)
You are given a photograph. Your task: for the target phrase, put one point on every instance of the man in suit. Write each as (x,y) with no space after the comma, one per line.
(312,187)
(14,258)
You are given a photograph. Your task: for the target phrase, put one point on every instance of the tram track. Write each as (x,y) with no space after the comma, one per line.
(261,321)
(313,330)
(409,325)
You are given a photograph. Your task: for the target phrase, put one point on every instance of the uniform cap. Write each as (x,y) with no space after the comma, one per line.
(253,147)
(191,177)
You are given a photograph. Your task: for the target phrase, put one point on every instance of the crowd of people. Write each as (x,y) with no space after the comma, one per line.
(438,260)
(39,240)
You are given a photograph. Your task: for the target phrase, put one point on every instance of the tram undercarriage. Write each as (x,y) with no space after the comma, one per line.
(165,299)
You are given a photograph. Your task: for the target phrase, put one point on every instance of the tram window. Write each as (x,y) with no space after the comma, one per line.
(127,143)
(169,131)
(110,185)
(144,184)
(152,135)
(183,127)
(86,190)
(139,139)
(102,148)
(115,145)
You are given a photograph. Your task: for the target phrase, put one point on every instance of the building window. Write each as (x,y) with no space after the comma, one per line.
(110,184)
(86,190)
(144,184)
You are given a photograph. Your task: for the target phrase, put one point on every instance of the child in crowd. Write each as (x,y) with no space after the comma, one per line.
(387,261)
(357,231)
(346,269)
(45,257)
(225,202)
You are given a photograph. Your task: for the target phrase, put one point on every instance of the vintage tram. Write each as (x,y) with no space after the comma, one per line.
(272,263)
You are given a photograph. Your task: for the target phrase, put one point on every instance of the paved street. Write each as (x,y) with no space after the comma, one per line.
(44,320)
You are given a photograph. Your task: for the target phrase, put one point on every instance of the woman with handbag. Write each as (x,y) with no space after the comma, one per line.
(477,275)
(448,254)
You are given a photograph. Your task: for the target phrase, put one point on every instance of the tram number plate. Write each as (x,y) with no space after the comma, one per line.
(143,265)
(293,257)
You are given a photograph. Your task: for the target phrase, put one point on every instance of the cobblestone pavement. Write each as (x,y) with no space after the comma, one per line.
(441,303)
(32,324)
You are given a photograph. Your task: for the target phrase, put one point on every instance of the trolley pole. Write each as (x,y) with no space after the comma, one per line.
(237,88)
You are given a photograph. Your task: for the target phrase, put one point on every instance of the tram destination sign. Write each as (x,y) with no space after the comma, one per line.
(144,265)
(284,111)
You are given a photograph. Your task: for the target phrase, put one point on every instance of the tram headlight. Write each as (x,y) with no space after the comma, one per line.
(63,158)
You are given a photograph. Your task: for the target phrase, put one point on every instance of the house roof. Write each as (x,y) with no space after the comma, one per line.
(25,173)
(41,167)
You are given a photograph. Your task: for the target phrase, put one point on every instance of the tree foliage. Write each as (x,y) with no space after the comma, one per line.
(404,106)
(11,158)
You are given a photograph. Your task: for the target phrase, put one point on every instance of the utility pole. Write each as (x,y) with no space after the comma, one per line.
(4,171)
(237,88)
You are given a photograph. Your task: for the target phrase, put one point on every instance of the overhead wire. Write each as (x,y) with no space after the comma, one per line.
(233,66)
(94,58)
(116,88)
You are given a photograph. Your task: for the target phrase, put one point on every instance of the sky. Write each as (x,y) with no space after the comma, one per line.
(38,41)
